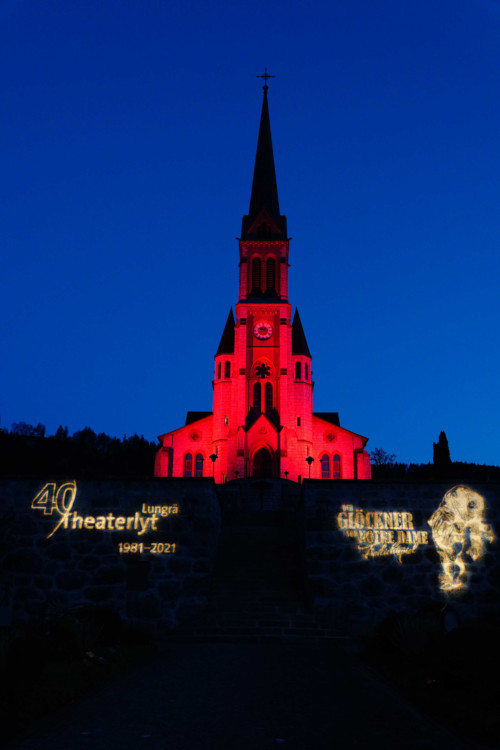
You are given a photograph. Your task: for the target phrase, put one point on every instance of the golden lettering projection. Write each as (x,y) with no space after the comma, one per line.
(381,534)
(459,532)
(59,501)
(458,529)
(52,499)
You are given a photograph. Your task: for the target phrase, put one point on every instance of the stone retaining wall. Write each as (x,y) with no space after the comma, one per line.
(358,563)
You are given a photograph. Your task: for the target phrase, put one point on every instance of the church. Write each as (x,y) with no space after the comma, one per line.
(262,423)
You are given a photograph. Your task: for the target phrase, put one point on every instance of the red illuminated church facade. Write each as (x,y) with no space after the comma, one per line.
(262,423)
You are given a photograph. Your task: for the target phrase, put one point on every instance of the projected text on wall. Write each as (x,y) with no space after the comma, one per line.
(59,502)
(380,534)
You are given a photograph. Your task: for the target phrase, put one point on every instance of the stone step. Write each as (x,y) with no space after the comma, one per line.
(223,618)
(258,598)
(254,617)
(256,635)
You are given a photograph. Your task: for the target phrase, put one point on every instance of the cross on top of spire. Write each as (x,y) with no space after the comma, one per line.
(265,76)
(264,197)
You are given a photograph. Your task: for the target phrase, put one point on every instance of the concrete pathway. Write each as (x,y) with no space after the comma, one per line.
(243,697)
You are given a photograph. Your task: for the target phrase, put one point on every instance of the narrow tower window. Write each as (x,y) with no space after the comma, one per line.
(188,465)
(219,370)
(298,371)
(256,274)
(270,274)
(227,369)
(257,390)
(268,397)
(325,467)
(306,371)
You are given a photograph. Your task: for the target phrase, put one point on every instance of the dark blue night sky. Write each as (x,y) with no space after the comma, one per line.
(128,134)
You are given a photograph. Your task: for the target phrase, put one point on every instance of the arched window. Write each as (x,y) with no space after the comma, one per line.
(306,371)
(188,465)
(256,273)
(270,274)
(325,467)
(198,465)
(268,397)
(257,390)
(219,370)
(336,466)
(298,371)
(227,369)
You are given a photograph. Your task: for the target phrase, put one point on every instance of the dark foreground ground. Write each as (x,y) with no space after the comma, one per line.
(247,697)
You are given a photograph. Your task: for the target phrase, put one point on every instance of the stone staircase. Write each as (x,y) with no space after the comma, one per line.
(244,496)
(257,593)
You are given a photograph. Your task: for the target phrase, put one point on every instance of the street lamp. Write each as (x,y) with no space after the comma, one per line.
(309,460)
(213,459)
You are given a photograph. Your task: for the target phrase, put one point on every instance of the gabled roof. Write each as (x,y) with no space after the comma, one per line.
(328,416)
(299,343)
(256,225)
(332,417)
(226,345)
(194,416)
(263,420)
(264,186)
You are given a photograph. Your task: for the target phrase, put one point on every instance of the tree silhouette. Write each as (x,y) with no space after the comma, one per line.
(28,430)
(381,458)
(441,456)
(26,452)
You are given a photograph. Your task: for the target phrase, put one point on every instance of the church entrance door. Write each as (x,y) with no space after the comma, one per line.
(262,464)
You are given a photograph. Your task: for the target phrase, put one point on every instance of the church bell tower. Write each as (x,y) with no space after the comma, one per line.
(262,423)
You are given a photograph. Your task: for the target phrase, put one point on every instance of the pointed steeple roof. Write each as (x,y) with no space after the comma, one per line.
(226,345)
(299,343)
(264,203)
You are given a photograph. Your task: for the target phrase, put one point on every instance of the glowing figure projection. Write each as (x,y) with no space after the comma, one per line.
(458,530)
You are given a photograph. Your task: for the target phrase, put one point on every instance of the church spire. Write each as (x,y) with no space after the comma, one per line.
(299,342)
(264,217)
(226,345)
